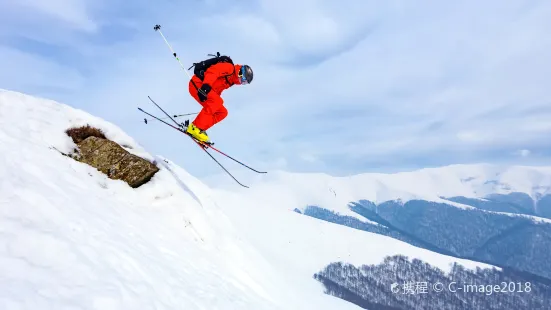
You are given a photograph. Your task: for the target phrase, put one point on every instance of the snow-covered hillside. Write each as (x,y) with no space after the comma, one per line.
(70,238)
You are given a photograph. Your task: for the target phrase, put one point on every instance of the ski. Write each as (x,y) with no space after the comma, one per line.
(206,144)
(202,145)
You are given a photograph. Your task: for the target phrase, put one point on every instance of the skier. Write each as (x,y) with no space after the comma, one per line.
(211,77)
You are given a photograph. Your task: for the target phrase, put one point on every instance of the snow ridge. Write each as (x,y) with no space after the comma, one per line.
(298,190)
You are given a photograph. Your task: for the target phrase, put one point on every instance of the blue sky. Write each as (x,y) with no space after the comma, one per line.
(340,86)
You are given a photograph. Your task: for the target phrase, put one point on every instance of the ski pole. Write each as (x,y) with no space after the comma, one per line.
(158,28)
(174,116)
(185,114)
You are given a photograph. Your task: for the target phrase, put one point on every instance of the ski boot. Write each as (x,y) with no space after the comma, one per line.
(197,134)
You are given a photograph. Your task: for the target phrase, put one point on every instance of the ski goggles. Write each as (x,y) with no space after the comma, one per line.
(242,76)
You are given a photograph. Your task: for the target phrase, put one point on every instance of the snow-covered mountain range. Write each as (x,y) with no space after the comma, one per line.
(71,238)
(475,181)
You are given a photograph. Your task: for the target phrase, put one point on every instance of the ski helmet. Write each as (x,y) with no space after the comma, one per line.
(245,74)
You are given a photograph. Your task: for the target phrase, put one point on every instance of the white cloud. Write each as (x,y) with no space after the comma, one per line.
(72,13)
(309,158)
(382,81)
(27,72)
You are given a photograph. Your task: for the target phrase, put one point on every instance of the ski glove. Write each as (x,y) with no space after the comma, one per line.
(203,92)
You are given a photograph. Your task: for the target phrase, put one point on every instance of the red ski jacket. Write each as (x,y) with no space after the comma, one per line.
(220,77)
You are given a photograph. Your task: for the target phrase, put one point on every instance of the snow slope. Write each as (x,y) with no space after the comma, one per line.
(70,238)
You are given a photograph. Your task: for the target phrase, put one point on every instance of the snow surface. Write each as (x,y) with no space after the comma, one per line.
(70,238)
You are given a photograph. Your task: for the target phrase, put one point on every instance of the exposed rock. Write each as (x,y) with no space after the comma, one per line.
(113,160)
